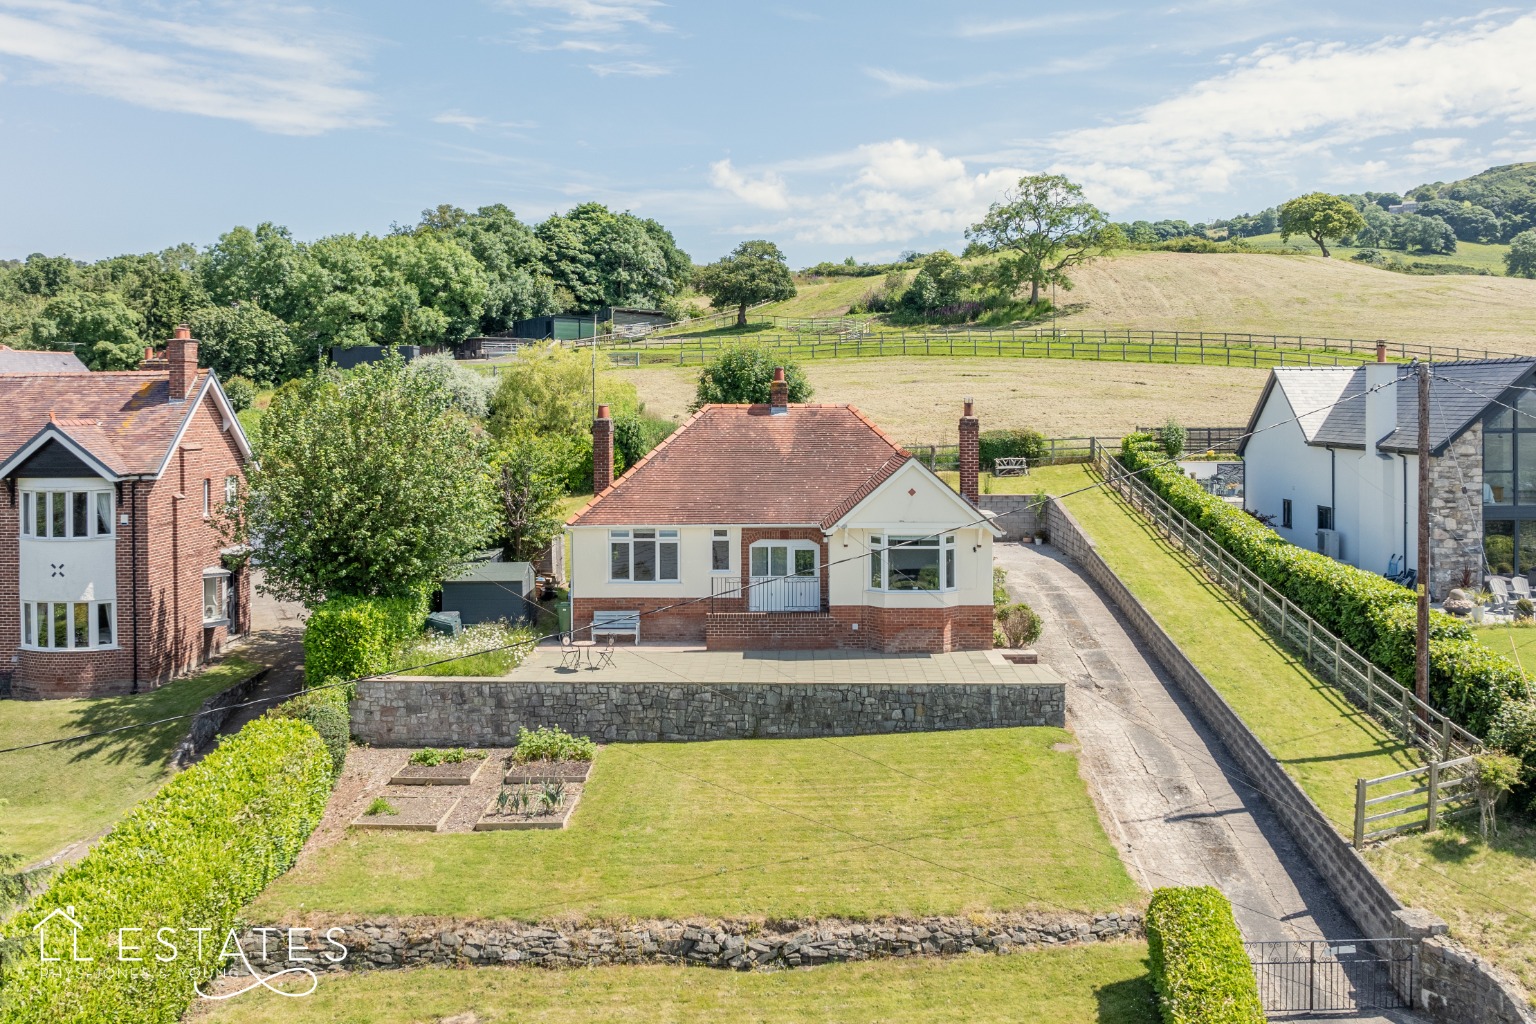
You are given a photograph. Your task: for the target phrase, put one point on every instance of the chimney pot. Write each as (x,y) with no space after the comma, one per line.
(1381,351)
(602,451)
(183,331)
(778,393)
(970,454)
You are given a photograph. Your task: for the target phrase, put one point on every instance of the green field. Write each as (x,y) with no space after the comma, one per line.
(1467,254)
(1324,742)
(860,827)
(1097,984)
(1510,641)
(59,794)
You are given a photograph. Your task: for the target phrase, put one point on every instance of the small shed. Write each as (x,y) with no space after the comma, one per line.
(492,592)
(563,327)
(630,316)
(357,355)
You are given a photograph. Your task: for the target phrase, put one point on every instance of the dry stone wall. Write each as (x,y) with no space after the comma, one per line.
(733,945)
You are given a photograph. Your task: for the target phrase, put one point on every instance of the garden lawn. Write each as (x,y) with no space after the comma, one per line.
(56,795)
(858,827)
(1324,742)
(1487,894)
(1095,984)
(1517,643)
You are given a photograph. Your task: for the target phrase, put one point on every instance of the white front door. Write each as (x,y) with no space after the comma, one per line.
(785,577)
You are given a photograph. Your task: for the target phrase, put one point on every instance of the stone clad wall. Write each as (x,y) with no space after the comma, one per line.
(1454,987)
(488,713)
(1456,515)
(733,945)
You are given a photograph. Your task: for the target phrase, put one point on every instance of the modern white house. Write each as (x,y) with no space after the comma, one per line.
(775,526)
(1331,456)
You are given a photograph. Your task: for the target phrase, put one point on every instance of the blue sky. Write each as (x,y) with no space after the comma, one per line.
(836,129)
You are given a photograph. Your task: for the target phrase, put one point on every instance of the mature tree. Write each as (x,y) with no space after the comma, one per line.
(431,274)
(370,483)
(1426,234)
(1320,216)
(1471,223)
(46,275)
(532,477)
(678,263)
(1520,261)
(100,328)
(547,389)
(471,390)
(939,283)
(1043,227)
(508,252)
(569,264)
(743,374)
(264,266)
(754,272)
(1379,230)
(244,341)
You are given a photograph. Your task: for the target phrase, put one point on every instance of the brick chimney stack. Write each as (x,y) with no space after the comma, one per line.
(970,454)
(778,393)
(602,450)
(1381,351)
(181,354)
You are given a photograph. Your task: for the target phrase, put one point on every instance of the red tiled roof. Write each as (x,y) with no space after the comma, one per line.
(122,418)
(738,464)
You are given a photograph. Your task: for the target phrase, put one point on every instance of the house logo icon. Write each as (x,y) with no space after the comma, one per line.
(57,925)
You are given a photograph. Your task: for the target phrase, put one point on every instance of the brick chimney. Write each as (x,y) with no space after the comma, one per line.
(181,354)
(778,393)
(970,454)
(1381,351)
(602,450)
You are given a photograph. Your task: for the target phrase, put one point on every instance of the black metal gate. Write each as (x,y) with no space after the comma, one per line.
(1362,974)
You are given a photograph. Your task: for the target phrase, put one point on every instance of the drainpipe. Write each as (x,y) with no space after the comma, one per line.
(1400,455)
(133,555)
(1333,488)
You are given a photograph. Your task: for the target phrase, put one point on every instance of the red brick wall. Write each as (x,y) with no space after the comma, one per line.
(970,456)
(165,548)
(663,620)
(893,630)
(776,631)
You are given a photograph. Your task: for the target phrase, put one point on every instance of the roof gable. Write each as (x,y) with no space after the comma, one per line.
(742,464)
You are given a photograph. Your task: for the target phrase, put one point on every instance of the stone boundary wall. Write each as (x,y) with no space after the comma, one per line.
(1015,518)
(211,717)
(1479,996)
(734,945)
(403,711)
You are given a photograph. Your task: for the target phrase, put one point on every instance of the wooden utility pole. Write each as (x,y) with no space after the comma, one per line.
(1421,634)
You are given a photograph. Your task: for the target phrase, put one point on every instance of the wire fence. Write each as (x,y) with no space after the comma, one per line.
(1382,697)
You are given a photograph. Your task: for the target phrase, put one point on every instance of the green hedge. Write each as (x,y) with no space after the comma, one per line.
(1199,968)
(189,857)
(1010,444)
(325,710)
(358,636)
(1467,681)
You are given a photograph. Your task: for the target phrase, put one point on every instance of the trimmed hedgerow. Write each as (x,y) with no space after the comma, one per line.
(1375,616)
(358,636)
(1199,968)
(325,710)
(1008,444)
(187,858)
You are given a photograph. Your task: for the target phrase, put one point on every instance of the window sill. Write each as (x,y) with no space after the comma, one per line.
(213,623)
(645,583)
(66,540)
(70,650)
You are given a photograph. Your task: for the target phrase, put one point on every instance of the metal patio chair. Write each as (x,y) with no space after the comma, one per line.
(605,654)
(570,654)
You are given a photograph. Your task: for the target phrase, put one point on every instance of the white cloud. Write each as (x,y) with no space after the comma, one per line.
(766,192)
(899,82)
(572,25)
(262,64)
(475,123)
(1313,101)
(639,69)
(1035,26)
(578,17)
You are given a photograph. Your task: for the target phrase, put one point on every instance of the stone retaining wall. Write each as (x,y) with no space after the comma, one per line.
(488,713)
(1014,516)
(211,718)
(733,945)
(1363,896)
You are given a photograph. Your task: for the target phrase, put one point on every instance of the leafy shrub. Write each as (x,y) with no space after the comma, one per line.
(1009,444)
(552,743)
(1174,438)
(189,857)
(351,637)
(1019,624)
(380,806)
(1376,617)
(325,711)
(1199,968)
(743,375)
(999,588)
(241,392)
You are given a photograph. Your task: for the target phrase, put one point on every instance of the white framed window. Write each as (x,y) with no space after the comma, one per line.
(215,597)
(231,489)
(907,563)
(642,556)
(207,497)
(66,515)
(68,625)
(720,551)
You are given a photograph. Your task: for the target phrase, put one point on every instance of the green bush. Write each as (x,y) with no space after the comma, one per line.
(1009,444)
(241,392)
(189,857)
(1199,968)
(552,743)
(1019,624)
(324,710)
(350,637)
(1376,617)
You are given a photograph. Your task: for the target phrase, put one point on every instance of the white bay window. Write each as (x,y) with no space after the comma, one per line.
(908,563)
(68,625)
(66,515)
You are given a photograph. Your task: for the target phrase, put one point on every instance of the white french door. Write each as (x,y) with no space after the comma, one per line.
(785,577)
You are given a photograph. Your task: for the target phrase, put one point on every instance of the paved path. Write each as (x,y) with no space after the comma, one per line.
(1172,798)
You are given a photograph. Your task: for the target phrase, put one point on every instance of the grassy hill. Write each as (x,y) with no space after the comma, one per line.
(1264,294)
(1467,254)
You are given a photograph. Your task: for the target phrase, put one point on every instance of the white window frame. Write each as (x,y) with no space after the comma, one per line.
(231,489)
(222,577)
(718,536)
(35,498)
(880,545)
(661,537)
(37,624)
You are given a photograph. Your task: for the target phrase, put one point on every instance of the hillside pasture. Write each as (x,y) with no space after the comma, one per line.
(918,400)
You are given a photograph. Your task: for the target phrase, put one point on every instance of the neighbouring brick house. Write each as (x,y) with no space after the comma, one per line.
(113,574)
(760,527)
(1332,455)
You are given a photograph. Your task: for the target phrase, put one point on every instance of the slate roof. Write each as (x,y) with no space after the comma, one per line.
(124,418)
(738,464)
(1330,402)
(31,361)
